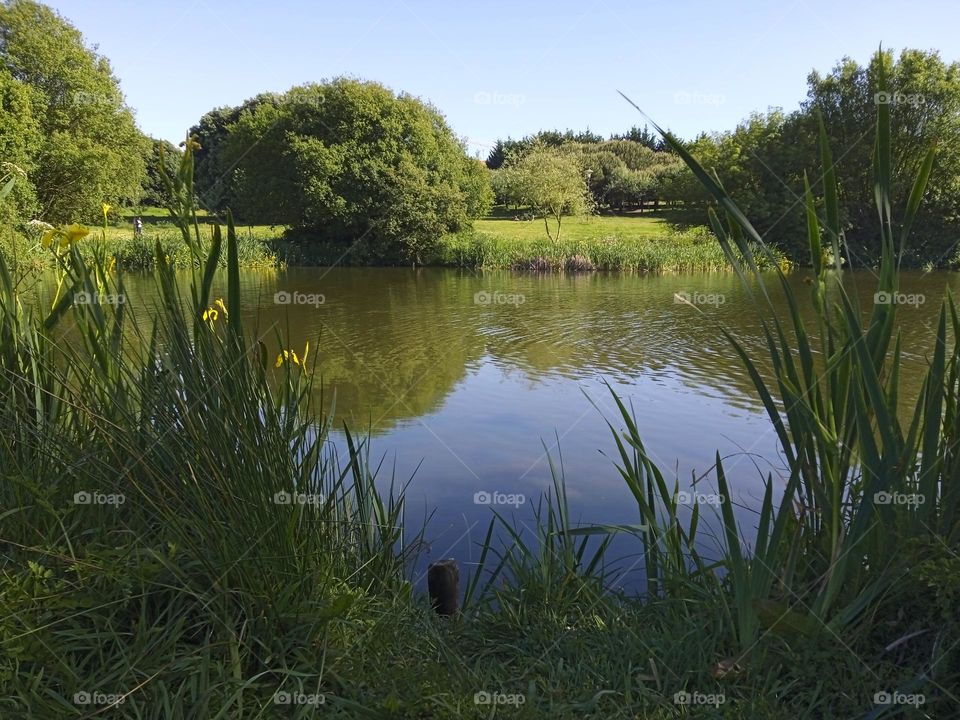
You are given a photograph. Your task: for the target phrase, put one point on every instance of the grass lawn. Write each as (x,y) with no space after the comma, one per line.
(648,225)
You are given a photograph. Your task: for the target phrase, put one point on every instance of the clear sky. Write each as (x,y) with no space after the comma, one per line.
(499,69)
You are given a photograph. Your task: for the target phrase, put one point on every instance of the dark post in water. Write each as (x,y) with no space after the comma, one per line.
(443,583)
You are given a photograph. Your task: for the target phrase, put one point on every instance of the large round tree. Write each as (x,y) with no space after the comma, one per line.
(345,161)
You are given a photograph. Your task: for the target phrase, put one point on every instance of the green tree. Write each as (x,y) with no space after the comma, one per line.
(552,183)
(90,150)
(20,137)
(166,155)
(341,162)
(924,93)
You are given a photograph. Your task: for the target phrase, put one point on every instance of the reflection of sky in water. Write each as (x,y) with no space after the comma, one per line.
(493,431)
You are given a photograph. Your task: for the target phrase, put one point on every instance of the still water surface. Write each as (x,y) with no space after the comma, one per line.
(467,381)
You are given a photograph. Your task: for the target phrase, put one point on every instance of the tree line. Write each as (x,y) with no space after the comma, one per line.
(382,173)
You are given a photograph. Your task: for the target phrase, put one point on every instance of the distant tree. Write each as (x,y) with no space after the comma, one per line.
(551,183)
(163,154)
(90,150)
(497,156)
(644,136)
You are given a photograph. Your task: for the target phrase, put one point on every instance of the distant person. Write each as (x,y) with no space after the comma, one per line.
(138,227)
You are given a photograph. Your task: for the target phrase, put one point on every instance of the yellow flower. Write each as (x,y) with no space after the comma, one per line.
(212,314)
(75,232)
(289,356)
(106,209)
(67,235)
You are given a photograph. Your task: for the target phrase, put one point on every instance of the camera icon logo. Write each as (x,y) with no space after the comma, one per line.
(882,298)
(282,298)
(684,498)
(882,498)
(482,298)
(82,298)
(482,498)
(282,698)
(282,498)
(681,698)
(81,698)
(481,698)
(82,498)
(882,698)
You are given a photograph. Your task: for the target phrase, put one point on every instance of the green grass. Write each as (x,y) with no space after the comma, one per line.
(629,243)
(596,227)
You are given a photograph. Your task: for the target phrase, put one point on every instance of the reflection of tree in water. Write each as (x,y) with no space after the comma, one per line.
(392,343)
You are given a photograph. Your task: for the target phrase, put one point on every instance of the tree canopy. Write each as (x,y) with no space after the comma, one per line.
(64,118)
(342,161)
(762,162)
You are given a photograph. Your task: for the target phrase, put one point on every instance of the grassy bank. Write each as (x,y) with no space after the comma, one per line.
(154,565)
(670,251)
(137,254)
(635,243)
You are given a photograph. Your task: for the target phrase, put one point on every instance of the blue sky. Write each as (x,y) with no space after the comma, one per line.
(500,69)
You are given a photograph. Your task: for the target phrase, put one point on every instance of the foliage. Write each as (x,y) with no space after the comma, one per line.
(762,161)
(551,183)
(345,161)
(78,140)
(163,154)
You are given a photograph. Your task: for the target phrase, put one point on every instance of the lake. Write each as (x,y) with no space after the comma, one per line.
(467,381)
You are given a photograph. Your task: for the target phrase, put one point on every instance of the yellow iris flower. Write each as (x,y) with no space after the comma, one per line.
(289,356)
(211,314)
(65,235)
(106,209)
